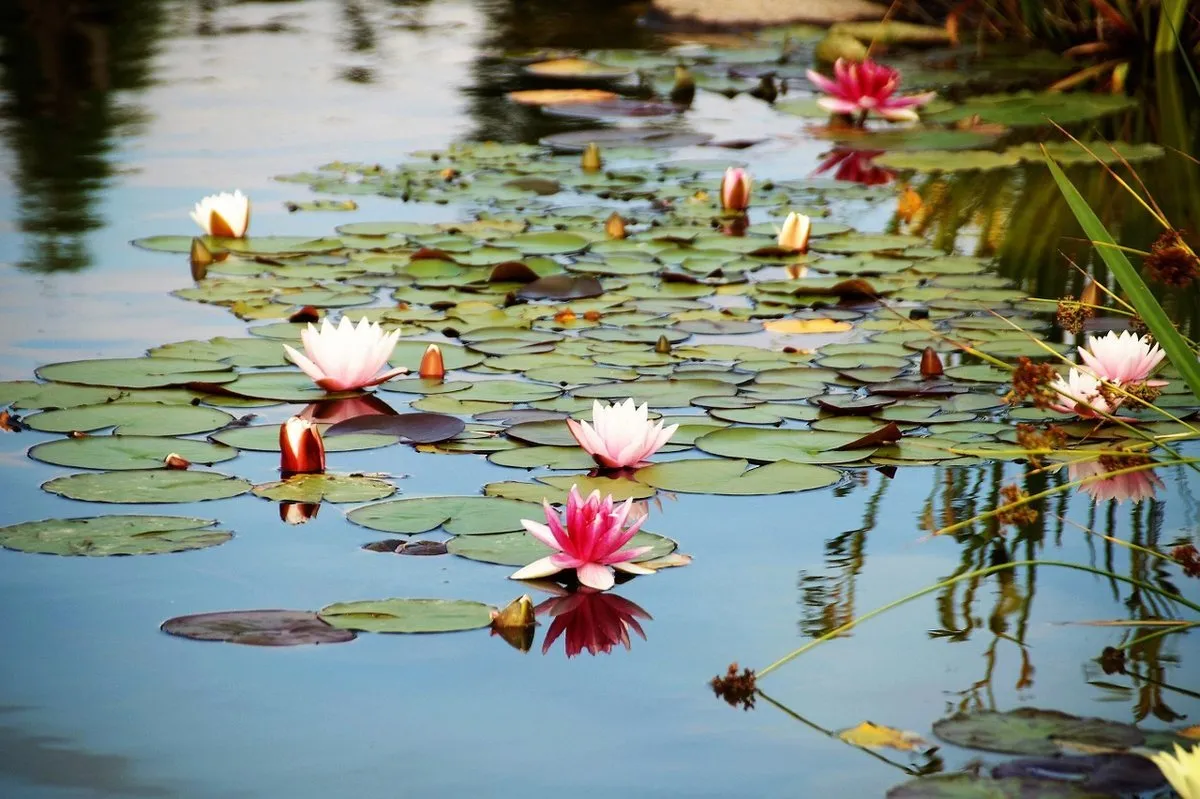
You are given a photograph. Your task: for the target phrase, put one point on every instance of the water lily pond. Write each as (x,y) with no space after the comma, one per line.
(540,194)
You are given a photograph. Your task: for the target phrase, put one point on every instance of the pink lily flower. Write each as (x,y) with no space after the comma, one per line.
(735,190)
(593,621)
(1121,358)
(866,88)
(590,541)
(620,434)
(346,357)
(1079,393)
(1134,486)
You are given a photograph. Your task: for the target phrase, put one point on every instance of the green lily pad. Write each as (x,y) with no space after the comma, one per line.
(1032,731)
(1034,108)
(658,393)
(970,786)
(282,386)
(113,535)
(138,372)
(554,489)
(133,418)
(735,477)
(119,453)
(571,457)
(768,446)
(313,488)
(521,549)
(456,515)
(242,352)
(407,615)
(29,394)
(160,486)
(852,243)
(546,243)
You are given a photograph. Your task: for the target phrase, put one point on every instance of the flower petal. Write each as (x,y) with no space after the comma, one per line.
(595,576)
(543,567)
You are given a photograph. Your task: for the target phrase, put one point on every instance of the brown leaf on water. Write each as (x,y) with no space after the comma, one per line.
(431,254)
(878,736)
(888,434)
(931,363)
(10,422)
(512,272)
(306,314)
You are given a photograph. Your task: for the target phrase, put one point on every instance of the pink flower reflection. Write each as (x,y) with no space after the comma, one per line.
(334,411)
(855,166)
(592,621)
(1134,486)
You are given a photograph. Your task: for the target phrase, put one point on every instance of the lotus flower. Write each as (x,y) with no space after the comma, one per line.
(1121,358)
(345,357)
(589,542)
(1182,770)
(856,166)
(866,88)
(620,434)
(593,621)
(735,190)
(432,367)
(795,232)
(1079,393)
(1134,486)
(226,215)
(302,450)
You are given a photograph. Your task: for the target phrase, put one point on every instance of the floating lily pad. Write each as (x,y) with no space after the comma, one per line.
(660,138)
(313,488)
(554,489)
(520,549)
(969,786)
(113,535)
(1031,731)
(258,628)
(29,394)
(127,452)
(420,428)
(138,372)
(799,446)
(455,515)
(133,418)
(1035,108)
(265,438)
(561,287)
(407,615)
(283,386)
(161,486)
(735,477)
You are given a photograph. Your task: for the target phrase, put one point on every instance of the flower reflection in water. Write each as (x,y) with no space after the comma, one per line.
(339,410)
(591,620)
(855,166)
(298,512)
(1134,486)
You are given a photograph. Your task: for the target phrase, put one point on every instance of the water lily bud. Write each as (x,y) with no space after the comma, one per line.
(795,232)
(298,512)
(176,461)
(199,258)
(302,450)
(614,227)
(931,363)
(432,366)
(518,613)
(684,90)
(592,162)
(662,346)
(735,190)
(1090,294)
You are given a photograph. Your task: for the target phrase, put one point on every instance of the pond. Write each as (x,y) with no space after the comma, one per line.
(823,473)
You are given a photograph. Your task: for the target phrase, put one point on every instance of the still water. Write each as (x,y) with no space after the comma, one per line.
(116,119)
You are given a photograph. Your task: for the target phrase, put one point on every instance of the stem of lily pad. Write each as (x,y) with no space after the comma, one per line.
(929,589)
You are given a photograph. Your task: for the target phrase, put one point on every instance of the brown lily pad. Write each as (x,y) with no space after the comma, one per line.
(257,628)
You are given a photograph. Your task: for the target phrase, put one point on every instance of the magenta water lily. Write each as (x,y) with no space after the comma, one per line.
(860,89)
(589,540)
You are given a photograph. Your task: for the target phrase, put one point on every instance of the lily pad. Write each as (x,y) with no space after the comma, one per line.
(313,488)
(768,446)
(456,515)
(520,549)
(265,438)
(420,428)
(407,615)
(138,372)
(127,452)
(735,477)
(133,418)
(1031,731)
(113,535)
(969,786)
(29,394)
(160,486)
(258,628)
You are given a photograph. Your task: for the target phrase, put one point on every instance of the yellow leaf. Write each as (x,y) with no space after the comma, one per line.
(876,736)
(807,326)
(561,96)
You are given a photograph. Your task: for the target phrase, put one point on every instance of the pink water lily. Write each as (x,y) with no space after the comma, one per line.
(1134,486)
(621,434)
(866,88)
(1079,393)
(595,622)
(346,357)
(1121,358)
(590,541)
(735,190)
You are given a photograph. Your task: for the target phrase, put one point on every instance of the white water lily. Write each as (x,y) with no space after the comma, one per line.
(225,215)
(620,434)
(1079,393)
(345,357)
(1182,770)
(795,232)
(1122,358)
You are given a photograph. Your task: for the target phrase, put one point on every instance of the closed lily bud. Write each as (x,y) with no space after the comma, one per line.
(432,365)
(684,90)
(176,461)
(614,227)
(298,512)
(735,190)
(1090,294)
(199,258)
(302,450)
(592,162)
(662,346)
(795,232)
(516,623)
(931,363)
